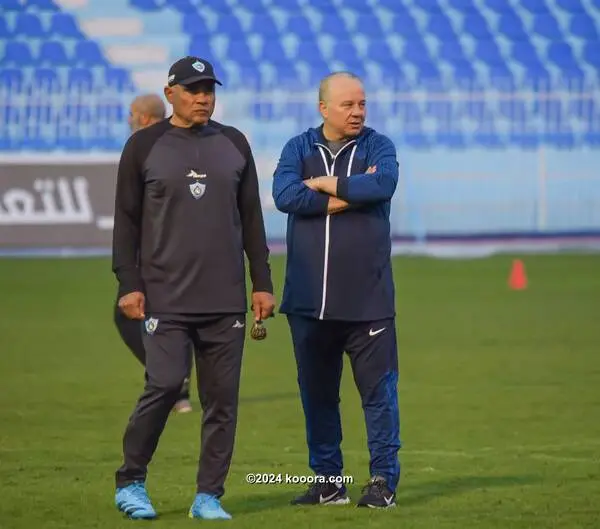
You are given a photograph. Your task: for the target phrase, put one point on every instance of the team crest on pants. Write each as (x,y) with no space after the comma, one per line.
(197,189)
(151,325)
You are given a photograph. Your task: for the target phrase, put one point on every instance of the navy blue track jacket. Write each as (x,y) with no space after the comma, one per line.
(339,265)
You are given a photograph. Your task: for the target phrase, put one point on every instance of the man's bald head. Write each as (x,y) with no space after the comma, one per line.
(334,81)
(146,110)
(342,105)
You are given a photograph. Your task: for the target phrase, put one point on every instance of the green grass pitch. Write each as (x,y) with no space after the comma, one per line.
(499,394)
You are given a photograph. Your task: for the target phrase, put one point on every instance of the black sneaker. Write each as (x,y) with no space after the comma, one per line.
(323,494)
(377,495)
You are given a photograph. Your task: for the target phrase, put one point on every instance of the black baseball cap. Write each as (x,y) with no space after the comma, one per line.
(191,70)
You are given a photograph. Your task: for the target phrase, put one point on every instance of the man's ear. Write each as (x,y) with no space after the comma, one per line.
(169,94)
(323,109)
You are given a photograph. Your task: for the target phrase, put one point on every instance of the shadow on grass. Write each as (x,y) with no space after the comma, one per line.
(409,494)
(243,504)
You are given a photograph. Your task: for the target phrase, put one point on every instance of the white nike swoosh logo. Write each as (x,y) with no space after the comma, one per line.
(388,500)
(375,333)
(323,500)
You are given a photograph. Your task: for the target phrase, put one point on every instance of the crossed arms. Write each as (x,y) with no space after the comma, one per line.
(329,194)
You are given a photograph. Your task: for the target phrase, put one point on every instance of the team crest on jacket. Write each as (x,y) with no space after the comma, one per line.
(151,325)
(197,189)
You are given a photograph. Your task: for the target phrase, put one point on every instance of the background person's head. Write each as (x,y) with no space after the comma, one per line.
(145,110)
(342,105)
(191,91)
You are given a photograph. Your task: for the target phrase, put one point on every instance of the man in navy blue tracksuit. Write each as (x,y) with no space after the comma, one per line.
(336,182)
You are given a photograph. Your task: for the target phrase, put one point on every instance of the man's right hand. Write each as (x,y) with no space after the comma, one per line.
(133,305)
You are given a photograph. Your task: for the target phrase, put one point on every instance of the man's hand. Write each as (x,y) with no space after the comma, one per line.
(263,304)
(336,205)
(133,305)
(328,184)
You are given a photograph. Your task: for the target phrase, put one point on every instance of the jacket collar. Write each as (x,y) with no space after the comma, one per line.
(317,136)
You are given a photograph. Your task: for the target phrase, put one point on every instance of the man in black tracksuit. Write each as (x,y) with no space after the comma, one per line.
(187,201)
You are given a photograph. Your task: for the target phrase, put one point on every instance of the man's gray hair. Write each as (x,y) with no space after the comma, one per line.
(324,85)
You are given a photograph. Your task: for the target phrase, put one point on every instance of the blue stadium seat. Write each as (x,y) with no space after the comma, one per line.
(582,25)
(195,25)
(498,6)
(332,23)
(64,25)
(5,32)
(200,47)
(379,51)
(28,25)
(118,79)
(88,53)
(570,6)
(526,54)
(13,5)
(511,25)
(255,6)
(80,80)
(369,26)
(263,24)
(440,26)
(584,109)
(561,54)
(53,53)
(219,6)
(323,6)
(272,51)
(406,26)
(43,5)
(463,6)
(547,26)
(147,5)
(489,52)
(11,78)
(291,6)
(298,25)
(591,54)
(452,52)
(46,80)
(17,54)
(230,26)
(477,26)
(535,6)
(239,51)
(356,5)
(432,6)
(184,7)
(416,52)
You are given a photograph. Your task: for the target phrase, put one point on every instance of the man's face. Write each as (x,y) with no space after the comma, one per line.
(194,103)
(136,118)
(344,110)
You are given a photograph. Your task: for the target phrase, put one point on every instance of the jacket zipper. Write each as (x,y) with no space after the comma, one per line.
(330,172)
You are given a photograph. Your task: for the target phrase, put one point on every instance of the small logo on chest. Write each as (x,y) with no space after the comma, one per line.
(197,189)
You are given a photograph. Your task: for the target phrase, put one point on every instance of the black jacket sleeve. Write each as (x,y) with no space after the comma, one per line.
(128,217)
(253,227)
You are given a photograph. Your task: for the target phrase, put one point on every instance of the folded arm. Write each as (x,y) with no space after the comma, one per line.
(290,193)
(377,184)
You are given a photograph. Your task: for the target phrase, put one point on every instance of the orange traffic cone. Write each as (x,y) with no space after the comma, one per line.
(518,276)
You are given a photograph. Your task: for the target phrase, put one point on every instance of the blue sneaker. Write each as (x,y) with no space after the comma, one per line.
(133,500)
(208,507)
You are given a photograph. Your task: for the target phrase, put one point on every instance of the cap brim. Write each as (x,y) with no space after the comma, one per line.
(198,78)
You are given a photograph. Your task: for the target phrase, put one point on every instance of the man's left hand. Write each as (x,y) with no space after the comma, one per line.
(263,304)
